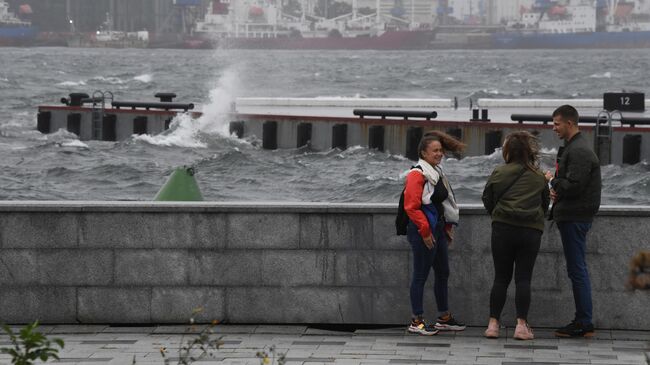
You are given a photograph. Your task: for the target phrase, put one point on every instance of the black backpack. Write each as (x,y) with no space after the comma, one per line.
(402,219)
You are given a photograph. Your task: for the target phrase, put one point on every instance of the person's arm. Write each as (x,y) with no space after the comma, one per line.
(578,172)
(546,198)
(488,195)
(413,202)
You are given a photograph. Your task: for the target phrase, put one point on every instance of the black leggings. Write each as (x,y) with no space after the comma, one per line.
(518,247)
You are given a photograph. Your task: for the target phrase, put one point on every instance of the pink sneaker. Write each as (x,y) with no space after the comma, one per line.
(523,332)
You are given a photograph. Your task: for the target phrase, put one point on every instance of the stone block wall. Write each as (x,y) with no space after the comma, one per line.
(143,262)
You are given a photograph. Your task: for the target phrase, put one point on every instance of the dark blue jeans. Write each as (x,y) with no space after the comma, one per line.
(574,241)
(425,259)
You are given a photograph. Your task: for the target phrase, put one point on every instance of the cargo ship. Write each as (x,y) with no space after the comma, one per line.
(578,24)
(248,24)
(14,31)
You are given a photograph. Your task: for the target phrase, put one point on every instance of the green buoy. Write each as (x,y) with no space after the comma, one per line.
(181,186)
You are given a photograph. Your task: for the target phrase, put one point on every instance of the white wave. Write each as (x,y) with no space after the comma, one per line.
(355,148)
(61,134)
(185,130)
(72,83)
(491,91)
(606,75)
(548,151)
(146,78)
(449,79)
(397,157)
(182,133)
(108,80)
(74,143)
(497,154)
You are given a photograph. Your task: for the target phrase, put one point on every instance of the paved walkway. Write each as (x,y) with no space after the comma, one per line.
(313,346)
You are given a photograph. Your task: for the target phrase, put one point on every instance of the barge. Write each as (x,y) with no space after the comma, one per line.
(621,133)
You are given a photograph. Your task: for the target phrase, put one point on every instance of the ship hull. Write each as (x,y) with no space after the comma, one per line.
(393,40)
(16,36)
(572,40)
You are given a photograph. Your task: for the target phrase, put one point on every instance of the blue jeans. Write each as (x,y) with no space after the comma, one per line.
(574,241)
(425,259)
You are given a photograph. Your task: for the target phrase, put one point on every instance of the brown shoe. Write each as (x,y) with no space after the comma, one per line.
(523,332)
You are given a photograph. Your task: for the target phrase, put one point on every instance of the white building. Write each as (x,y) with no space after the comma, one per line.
(488,12)
(414,11)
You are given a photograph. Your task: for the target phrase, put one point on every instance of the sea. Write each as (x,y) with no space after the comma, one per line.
(59,166)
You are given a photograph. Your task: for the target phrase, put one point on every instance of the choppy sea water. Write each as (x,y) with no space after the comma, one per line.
(60,167)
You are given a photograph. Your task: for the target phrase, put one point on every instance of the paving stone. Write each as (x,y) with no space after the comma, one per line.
(381,332)
(348,361)
(290,330)
(423,344)
(129,329)
(631,349)
(183,329)
(317,343)
(77,329)
(324,332)
(311,359)
(235,329)
(91,344)
(533,347)
(109,342)
(82,359)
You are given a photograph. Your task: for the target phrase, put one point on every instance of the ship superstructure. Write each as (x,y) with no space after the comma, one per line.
(578,24)
(265,24)
(13,31)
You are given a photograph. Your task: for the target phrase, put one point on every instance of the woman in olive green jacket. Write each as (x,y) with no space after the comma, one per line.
(517,197)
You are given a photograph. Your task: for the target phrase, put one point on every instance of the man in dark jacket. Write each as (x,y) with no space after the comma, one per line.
(575,192)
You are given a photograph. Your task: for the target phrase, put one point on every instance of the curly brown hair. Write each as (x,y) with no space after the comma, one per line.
(448,142)
(522,147)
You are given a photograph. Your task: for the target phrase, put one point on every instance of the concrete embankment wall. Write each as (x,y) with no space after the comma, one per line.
(142,262)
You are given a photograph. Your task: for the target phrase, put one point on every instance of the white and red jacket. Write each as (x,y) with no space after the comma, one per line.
(419,187)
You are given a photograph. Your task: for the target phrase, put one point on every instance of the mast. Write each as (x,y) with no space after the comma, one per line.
(378,21)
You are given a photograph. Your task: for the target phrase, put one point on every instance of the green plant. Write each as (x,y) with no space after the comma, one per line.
(270,357)
(30,345)
(204,342)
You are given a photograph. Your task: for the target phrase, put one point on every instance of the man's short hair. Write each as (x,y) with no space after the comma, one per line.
(568,113)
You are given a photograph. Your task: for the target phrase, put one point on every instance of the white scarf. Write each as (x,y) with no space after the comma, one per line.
(433,174)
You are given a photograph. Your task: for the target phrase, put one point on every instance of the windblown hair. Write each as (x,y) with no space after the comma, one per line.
(449,143)
(568,113)
(522,147)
